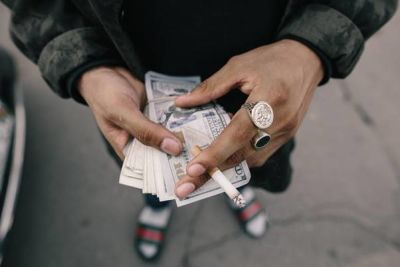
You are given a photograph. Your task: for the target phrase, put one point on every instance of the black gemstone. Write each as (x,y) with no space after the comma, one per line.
(263,141)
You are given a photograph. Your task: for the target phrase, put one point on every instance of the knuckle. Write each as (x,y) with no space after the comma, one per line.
(242,134)
(291,125)
(202,180)
(234,60)
(204,89)
(114,117)
(197,181)
(145,136)
(236,158)
(252,77)
(281,97)
(212,157)
(212,160)
(203,86)
(110,115)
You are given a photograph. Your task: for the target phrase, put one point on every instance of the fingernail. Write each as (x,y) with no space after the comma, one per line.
(170,146)
(184,190)
(196,170)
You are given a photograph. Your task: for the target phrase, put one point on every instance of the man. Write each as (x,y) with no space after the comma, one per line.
(273,51)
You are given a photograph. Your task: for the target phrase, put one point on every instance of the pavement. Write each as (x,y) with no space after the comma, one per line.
(343,208)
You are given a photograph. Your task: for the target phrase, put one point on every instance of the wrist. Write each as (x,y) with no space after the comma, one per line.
(89,80)
(308,58)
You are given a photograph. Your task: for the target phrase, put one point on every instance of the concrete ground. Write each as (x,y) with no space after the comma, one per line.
(343,208)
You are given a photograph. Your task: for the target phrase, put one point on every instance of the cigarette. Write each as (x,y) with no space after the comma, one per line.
(225,184)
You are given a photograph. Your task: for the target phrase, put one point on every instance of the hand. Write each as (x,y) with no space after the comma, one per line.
(116,98)
(284,74)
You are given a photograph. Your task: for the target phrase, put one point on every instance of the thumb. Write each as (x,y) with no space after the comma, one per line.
(148,132)
(214,87)
(155,135)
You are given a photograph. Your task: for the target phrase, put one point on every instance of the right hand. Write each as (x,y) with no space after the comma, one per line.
(116,98)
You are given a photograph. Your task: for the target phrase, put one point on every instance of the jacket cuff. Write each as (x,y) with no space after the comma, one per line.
(73,50)
(329,33)
(325,61)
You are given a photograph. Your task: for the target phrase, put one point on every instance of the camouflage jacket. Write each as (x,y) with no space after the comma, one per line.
(63,35)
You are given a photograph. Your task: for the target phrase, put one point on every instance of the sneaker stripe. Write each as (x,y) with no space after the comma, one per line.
(151,235)
(249,211)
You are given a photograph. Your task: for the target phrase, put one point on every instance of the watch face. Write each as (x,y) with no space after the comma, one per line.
(262,115)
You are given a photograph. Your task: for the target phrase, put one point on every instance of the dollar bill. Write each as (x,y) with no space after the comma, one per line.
(156,172)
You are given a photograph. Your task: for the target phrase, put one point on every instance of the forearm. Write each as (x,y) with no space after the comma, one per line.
(368,15)
(59,39)
(338,28)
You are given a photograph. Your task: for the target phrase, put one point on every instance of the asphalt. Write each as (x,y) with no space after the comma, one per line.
(343,208)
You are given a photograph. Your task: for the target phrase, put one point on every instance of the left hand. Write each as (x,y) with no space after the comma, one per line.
(284,74)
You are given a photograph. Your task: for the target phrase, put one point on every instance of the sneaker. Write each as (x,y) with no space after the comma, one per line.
(151,230)
(252,218)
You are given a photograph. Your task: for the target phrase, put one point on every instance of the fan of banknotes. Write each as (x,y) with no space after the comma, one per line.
(155,172)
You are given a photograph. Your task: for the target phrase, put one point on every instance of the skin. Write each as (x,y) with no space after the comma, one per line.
(284,74)
(116,99)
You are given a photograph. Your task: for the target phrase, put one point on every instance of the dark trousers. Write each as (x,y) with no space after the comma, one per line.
(153,202)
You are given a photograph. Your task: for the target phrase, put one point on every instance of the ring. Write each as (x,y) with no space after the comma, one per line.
(260,140)
(260,113)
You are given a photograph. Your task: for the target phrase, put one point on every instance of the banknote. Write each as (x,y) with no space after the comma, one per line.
(156,172)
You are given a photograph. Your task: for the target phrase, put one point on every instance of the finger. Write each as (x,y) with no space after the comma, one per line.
(148,132)
(119,138)
(235,136)
(188,184)
(214,87)
(236,158)
(252,156)
(259,158)
(116,137)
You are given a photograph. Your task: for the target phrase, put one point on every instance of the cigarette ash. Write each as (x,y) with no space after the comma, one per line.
(239,201)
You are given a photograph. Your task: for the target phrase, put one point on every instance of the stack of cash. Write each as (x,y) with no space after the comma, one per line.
(155,172)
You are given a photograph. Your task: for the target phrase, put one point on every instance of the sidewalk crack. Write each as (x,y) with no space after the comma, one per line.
(367,120)
(358,108)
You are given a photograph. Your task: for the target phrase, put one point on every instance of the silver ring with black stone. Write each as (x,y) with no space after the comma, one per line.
(260,140)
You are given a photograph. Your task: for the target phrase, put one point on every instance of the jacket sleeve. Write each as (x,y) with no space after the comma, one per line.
(338,28)
(59,39)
